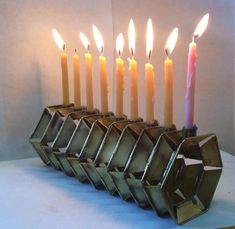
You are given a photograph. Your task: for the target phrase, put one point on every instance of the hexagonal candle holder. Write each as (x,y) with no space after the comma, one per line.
(47,128)
(105,151)
(77,140)
(188,186)
(63,135)
(91,145)
(136,161)
(153,166)
(112,176)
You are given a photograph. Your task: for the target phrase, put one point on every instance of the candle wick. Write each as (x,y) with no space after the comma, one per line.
(194,37)
(75,50)
(88,47)
(150,52)
(63,47)
(119,53)
(166,51)
(102,50)
(132,52)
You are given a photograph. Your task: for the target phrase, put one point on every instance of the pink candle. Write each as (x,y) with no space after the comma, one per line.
(191,73)
(190,91)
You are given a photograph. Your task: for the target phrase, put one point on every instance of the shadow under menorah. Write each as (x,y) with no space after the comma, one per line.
(171,171)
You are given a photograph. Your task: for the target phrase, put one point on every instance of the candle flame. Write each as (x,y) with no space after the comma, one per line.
(98,39)
(119,44)
(131,37)
(58,39)
(201,27)
(171,41)
(85,41)
(149,38)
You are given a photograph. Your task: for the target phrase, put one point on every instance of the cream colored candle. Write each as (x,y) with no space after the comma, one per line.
(134,89)
(119,76)
(191,73)
(133,73)
(103,72)
(89,83)
(149,75)
(64,67)
(168,108)
(65,79)
(168,70)
(103,84)
(76,71)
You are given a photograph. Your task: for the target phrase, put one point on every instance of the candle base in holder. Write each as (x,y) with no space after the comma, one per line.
(48,125)
(189,132)
(91,145)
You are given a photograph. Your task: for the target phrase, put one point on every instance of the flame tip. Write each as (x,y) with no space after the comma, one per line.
(201,27)
(98,39)
(171,41)
(58,39)
(131,37)
(84,41)
(149,39)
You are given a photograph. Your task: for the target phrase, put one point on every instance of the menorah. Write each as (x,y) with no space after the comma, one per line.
(173,171)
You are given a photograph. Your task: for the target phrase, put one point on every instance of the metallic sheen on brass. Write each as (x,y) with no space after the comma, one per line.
(47,128)
(172,171)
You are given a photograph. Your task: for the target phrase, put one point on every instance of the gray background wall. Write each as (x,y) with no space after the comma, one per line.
(30,71)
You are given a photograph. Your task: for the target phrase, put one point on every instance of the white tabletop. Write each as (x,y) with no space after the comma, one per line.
(35,196)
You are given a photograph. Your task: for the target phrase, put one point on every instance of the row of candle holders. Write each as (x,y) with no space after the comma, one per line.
(169,170)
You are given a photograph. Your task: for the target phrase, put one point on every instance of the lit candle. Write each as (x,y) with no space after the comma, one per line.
(168,109)
(64,66)
(191,74)
(133,72)
(149,75)
(89,86)
(103,72)
(76,71)
(119,75)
